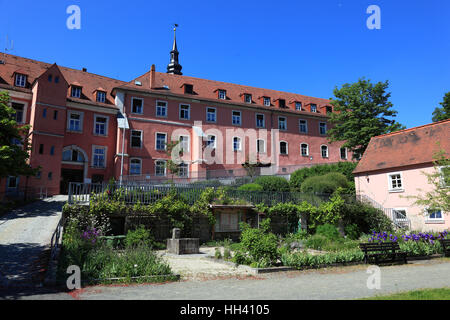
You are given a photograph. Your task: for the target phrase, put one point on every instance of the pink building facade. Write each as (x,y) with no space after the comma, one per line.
(90,128)
(393,168)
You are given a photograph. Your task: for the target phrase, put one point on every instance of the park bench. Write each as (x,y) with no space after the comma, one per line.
(382,252)
(445,243)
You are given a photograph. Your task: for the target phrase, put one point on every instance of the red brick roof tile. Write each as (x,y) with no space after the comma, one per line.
(406,147)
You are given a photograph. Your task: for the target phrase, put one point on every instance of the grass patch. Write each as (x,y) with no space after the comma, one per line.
(423,294)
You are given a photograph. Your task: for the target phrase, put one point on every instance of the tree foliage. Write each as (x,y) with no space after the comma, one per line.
(439,179)
(363,110)
(13,146)
(442,113)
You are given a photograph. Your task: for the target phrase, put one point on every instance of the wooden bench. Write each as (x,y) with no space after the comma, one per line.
(382,252)
(445,243)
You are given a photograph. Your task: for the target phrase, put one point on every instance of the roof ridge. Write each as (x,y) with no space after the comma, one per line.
(61,66)
(411,129)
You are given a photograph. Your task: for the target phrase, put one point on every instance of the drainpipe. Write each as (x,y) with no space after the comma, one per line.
(121,161)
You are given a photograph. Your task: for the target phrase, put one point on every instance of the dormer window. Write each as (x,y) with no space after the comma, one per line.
(298,106)
(247,98)
(188,88)
(101,96)
(21,80)
(313,107)
(281,103)
(328,109)
(75,92)
(266,101)
(222,94)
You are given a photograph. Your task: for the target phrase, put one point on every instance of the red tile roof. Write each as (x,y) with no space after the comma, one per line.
(33,69)
(406,147)
(207,89)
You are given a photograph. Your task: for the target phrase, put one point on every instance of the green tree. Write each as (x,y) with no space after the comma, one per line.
(439,196)
(362,112)
(14,149)
(442,113)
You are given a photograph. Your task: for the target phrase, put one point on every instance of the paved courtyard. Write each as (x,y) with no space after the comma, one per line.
(333,283)
(25,236)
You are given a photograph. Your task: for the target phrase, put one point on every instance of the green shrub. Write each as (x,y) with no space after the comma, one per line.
(139,237)
(226,254)
(317,242)
(251,187)
(327,183)
(257,245)
(329,231)
(299,176)
(352,231)
(217,254)
(303,259)
(273,183)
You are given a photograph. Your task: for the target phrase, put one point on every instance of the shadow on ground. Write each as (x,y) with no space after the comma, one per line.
(35,209)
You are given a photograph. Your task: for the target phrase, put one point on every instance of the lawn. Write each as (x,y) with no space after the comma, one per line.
(423,294)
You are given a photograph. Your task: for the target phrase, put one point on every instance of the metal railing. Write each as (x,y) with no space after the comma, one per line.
(400,220)
(81,193)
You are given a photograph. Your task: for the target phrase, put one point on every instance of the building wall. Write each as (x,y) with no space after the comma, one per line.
(376,186)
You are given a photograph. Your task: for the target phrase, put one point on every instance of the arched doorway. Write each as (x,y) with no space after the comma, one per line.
(74,167)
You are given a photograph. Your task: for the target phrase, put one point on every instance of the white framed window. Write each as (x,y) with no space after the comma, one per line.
(236,144)
(324,151)
(236,118)
(161,141)
(184,140)
(322,128)
(12,183)
(266,101)
(185,111)
(298,106)
(260,146)
(75,92)
(160,168)
(101,125)
(101,96)
(313,107)
(137,105)
(136,138)
(303,126)
(260,121)
(161,109)
(211,141)
(135,166)
(211,114)
(222,94)
(304,149)
(183,170)
(434,215)
(19,116)
(282,123)
(284,147)
(99,156)
(444,176)
(395,182)
(343,152)
(21,80)
(247,98)
(75,121)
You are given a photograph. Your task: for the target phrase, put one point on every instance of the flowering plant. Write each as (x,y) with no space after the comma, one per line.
(91,235)
(382,237)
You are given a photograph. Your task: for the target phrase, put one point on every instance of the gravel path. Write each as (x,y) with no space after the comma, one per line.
(333,283)
(25,236)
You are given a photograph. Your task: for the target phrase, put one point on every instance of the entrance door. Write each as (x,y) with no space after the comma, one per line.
(69,175)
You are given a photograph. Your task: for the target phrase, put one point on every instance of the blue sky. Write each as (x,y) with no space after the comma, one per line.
(306,47)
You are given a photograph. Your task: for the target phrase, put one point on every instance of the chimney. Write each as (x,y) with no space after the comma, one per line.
(152,76)
(84,69)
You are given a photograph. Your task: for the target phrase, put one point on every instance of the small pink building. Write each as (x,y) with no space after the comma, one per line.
(392,168)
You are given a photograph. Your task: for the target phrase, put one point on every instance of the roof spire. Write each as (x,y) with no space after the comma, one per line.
(174,67)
